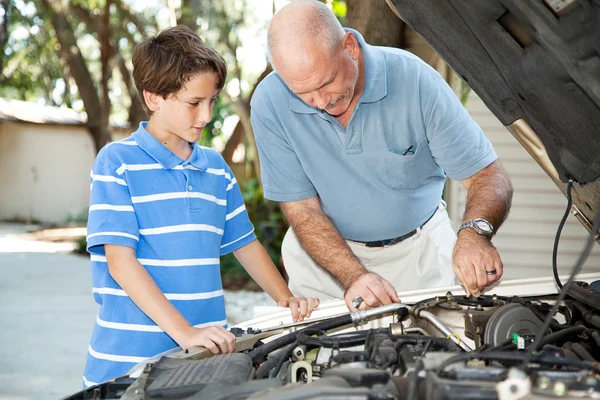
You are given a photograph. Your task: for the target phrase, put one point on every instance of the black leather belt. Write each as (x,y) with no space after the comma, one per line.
(387,242)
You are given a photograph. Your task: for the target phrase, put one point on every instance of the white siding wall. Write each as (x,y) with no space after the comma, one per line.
(44,171)
(526,239)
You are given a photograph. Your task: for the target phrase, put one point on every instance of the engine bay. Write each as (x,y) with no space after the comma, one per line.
(443,347)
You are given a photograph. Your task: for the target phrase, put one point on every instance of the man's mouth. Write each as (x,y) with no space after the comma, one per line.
(331,105)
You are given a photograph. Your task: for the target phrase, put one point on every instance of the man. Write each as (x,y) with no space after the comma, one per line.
(356,141)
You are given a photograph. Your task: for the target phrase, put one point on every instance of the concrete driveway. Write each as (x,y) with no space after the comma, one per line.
(46,317)
(47,313)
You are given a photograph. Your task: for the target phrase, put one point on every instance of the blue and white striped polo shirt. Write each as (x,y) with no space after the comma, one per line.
(180,216)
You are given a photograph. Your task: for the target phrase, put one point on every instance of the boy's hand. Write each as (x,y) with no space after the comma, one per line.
(301,307)
(215,338)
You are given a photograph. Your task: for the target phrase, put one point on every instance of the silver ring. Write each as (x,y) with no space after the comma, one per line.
(357,302)
(492,272)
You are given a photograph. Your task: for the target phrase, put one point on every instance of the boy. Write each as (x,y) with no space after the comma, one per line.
(163,210)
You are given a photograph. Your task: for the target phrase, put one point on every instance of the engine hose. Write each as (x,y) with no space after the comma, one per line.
(284,356)
(263,371)
(278,343)
(582,353)
(346,319)
(441,343)
(588,316)
(345,340)
(556,336)
(554,325)
(514,357)
(594,335)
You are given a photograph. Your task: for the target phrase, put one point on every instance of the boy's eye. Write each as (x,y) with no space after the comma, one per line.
(194,104)
(213,100)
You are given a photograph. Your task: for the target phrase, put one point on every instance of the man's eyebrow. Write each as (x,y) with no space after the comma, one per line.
(323,85)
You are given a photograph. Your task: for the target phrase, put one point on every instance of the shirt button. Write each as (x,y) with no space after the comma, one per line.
(190,187)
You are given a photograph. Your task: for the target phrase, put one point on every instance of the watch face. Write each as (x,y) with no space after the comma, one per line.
(484,226)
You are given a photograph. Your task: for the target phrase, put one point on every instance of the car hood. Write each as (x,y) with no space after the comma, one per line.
(536,66)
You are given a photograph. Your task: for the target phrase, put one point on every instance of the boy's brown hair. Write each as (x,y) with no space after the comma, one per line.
(164,63)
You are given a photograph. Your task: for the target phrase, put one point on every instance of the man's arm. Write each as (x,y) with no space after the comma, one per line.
(319,237)
(489,196)
(145,293)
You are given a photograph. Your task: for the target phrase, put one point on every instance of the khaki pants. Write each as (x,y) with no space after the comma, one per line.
(421,261)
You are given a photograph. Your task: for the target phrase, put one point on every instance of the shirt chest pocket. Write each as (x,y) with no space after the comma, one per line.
(410,169)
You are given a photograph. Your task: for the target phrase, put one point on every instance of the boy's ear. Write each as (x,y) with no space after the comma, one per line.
(152,100)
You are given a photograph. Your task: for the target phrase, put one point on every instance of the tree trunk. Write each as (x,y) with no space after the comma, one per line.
(4,4)
(238,132)
(136,110)
(190,11)
(105,57)
(69,51)
(375,20)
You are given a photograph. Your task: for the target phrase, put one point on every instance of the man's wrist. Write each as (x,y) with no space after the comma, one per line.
(470,234)
(352,276)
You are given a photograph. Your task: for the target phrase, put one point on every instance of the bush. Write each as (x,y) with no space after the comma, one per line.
(270,227)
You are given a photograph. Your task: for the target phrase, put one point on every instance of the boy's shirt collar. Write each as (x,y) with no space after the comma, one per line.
(164,156)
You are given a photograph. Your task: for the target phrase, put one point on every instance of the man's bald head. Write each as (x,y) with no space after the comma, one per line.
(302,29)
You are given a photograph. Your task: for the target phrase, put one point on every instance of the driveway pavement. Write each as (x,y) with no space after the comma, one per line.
(46,317)
(47,313)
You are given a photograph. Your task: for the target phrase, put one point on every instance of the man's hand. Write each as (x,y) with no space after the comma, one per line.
(215,338)
(373,289)
(301,307)
(474,256)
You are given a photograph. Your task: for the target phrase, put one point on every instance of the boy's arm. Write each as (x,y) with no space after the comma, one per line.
(141,288)
(255,259)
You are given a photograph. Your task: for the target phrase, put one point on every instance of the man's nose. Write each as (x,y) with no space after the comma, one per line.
(320,99)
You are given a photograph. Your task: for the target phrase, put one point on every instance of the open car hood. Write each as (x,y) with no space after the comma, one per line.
(536,66)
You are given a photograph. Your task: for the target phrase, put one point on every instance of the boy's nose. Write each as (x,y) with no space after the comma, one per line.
(204,116)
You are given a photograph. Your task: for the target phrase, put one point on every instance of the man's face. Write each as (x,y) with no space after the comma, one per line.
(327,82)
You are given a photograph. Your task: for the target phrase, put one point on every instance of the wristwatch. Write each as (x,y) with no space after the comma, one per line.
(480,225)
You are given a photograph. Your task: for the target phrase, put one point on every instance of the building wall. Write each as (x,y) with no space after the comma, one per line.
(44,171)
(526,239)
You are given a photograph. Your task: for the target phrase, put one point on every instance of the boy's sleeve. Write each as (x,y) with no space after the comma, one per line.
(111,219)
(238,231)
(456,142)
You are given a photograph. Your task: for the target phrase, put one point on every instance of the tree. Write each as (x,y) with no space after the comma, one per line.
(376,22)
(97,114)
(4,17)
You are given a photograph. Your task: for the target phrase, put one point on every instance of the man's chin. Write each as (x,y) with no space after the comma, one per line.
(338,110)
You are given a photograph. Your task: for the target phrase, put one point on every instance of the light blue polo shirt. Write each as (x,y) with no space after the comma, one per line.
(180,216)
(383,175)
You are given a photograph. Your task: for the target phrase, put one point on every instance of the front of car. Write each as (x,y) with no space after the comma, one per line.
(536,65)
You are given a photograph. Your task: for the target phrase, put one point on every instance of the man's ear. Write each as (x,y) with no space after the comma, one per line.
(152,100)
(350,44)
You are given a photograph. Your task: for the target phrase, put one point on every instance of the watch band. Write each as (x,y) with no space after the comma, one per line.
(474,223)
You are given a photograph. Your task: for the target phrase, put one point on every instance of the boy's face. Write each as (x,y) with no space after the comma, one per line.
(185,113)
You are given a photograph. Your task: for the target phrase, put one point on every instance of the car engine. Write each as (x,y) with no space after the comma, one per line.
(447,347)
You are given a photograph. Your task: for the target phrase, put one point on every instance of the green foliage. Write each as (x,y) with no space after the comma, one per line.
(464,92)
(222,109)
(270,227)
(81,247)
(339,9)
